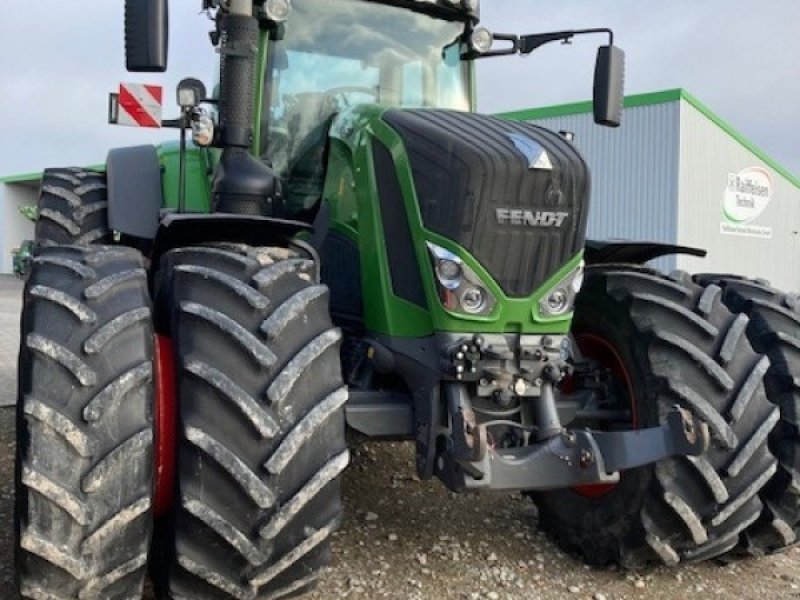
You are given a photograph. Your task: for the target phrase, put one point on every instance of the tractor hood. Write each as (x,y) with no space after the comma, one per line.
(514,195)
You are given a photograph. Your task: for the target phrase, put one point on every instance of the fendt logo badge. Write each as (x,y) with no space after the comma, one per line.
(539,218)
(536,156)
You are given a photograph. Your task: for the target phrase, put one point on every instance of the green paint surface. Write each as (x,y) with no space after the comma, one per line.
(199,163)
(352,192)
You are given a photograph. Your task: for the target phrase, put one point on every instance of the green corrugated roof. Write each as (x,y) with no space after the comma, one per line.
(579,108)
(37,175)
(23,178)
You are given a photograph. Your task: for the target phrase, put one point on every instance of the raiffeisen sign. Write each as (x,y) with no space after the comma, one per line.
(746,197)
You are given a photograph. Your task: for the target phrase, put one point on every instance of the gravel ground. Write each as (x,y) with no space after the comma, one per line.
(409,540)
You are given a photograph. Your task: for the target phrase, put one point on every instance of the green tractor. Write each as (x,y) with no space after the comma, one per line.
(346,244)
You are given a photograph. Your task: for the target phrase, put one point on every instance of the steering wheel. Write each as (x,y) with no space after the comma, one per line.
(343,90)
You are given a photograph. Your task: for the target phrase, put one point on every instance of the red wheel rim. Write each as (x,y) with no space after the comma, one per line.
(603,353)
(166,407)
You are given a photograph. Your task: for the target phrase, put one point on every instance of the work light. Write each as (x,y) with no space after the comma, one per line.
(191,92)
(481,40)
(473,6)
(278,10)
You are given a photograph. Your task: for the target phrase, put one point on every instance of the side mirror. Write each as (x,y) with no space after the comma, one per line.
(146,35)
(609,86)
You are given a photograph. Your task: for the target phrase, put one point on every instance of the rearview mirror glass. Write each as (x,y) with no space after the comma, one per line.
(146,35)
(609,86)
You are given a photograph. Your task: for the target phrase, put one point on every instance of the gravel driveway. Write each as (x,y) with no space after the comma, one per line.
(406,539)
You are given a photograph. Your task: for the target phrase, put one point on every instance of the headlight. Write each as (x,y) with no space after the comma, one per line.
(278,10)
(449,273)
(473,300)
(561,299)
(460,288)
(558,302)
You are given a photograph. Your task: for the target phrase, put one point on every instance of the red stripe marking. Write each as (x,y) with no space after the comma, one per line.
(156,91)
(130,104)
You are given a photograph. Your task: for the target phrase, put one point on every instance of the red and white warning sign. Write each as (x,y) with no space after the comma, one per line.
(140,105)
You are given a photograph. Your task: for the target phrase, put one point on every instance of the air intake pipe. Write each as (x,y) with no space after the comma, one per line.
(243,184)
(238,46)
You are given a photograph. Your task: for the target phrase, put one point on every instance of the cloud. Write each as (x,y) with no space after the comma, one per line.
(737,57)
(59,60)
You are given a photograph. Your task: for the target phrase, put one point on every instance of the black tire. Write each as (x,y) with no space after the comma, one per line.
(84,467)
(73,208)
(679,345)
(261,424)
(774,330)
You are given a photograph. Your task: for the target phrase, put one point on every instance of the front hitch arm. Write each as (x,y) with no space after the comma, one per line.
(683,435)
(578,457)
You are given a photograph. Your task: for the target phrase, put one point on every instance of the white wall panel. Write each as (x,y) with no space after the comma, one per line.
(709,154)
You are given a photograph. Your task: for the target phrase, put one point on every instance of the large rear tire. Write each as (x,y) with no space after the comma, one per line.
(72,208)
(773,330)
(84,471)
(261,424)
(675,344)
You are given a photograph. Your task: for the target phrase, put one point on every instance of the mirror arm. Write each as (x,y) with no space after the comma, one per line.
(503,37)
(529,43)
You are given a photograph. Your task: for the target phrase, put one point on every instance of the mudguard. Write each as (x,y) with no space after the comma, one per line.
(629,252)
(180,230)
(135,196)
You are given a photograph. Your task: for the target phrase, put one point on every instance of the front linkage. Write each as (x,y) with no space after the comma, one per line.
(520,375)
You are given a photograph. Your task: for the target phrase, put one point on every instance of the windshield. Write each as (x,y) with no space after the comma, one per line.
(339,53)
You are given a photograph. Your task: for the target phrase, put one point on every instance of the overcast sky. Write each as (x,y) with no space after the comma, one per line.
(59,59)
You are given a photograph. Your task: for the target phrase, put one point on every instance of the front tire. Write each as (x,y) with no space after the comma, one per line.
(84,468)
(679,345)
(261,425)
(72,208)
(773,330)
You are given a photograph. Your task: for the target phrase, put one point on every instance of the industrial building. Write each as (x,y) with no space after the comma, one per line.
(674,172)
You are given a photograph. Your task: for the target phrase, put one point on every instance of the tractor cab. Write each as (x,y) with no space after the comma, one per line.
(328,57)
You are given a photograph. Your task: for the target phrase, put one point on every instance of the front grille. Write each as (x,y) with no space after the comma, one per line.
(467,166)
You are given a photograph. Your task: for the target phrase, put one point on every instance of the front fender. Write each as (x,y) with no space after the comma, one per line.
(630,252)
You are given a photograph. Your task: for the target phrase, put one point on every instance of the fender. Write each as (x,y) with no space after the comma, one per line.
(135,197)
(604,252)
(178,230)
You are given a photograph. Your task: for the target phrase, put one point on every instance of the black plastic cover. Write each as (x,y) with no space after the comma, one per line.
(609,86)
(341,272)
(245,185)
(473,175)
(403,264)
(146,35)
(135,196)
(619,251)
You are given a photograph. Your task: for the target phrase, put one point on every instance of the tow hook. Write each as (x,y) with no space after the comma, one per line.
(473,442)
